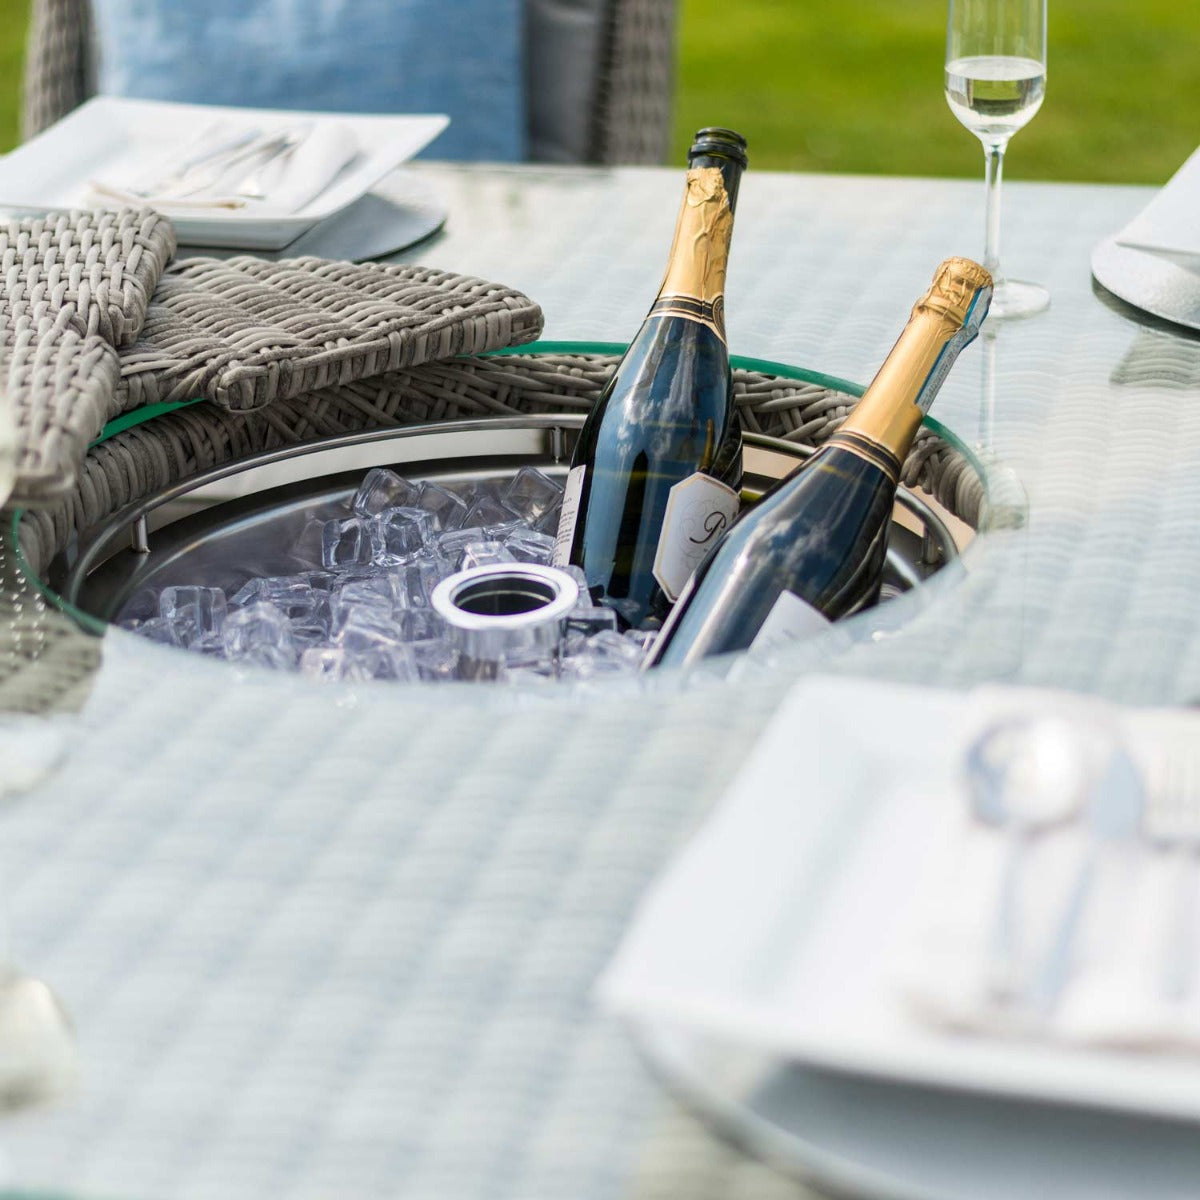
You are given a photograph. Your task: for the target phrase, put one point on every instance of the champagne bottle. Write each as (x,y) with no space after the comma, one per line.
(812,550)
(657,470)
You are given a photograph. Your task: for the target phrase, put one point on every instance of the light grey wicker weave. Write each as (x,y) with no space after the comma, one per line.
(76,287)
(624,117)
(177,445)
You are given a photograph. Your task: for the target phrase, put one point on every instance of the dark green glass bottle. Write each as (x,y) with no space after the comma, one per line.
(812,550)
(658,466)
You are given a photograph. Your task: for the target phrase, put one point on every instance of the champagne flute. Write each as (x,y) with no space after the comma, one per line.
(995,81)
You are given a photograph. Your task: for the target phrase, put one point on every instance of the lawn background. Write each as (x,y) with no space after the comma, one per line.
(856,86)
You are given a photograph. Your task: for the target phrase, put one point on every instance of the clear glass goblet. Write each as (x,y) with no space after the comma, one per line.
(995,81)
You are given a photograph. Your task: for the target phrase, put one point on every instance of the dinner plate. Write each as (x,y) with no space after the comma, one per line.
(1162,284)
(857,1136)
(796,919)
(399,211)
(110,136)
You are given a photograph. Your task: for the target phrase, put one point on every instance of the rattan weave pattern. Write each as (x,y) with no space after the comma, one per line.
(244,332)
(99,267)
(75,286)
(175,446)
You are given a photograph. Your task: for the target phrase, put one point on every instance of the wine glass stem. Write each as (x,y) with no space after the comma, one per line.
(994,164)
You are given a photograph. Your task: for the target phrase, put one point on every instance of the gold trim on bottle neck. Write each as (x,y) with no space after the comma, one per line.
(700,252)
(889,413)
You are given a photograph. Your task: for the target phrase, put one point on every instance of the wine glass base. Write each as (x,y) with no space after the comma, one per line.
(1013,298)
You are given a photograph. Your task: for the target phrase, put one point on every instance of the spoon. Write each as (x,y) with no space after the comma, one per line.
(1024,775)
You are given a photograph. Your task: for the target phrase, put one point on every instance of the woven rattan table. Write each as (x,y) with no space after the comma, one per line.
(321,943)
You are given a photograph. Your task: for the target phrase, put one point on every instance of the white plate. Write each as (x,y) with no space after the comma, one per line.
(108,136)
(776,927)
(854,1136)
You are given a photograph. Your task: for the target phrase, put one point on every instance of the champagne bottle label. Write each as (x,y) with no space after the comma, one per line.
(565,536)
(699,509)
(694,287)
(790,620)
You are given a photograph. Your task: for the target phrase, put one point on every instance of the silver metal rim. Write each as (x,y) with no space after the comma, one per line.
(524,435)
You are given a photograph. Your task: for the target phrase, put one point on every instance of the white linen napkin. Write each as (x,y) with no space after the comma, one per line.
(288,183)
(837,907)
(1171,221)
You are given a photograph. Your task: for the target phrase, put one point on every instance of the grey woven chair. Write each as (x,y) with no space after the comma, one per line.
(599,73)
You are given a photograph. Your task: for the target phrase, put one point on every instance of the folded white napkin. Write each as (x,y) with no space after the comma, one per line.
(1171,221)
(837,908)
(288,183)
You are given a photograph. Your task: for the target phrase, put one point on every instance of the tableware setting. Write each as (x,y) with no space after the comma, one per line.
(244,178)
(1003,915)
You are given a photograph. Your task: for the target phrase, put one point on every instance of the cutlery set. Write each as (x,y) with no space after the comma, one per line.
(226,172)
(1028,777)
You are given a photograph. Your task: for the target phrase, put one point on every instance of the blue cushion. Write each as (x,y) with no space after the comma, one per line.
(460,57)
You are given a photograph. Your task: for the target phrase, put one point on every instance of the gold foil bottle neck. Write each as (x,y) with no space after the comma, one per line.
(890,412)
(700,252)
(955,285)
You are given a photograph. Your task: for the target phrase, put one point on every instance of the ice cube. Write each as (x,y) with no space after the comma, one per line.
(338,663)
(527,545)
(435,658)
(585,594)
(399,534)
(548,523)
(451,545)
(192,611)
(643,639)
(488,510)
(446,509)
(211,644)
(607,644)
(157,629)
(590,619)
(291,594)
(413,583)
(260,633)
(388,662)
(382,489)
(360,595)
(345,543)
(205,604)
(375,592)
(324,662)
(420,625)
(479,554)
(531,495)
(308,631)
(306,547)
(368,628)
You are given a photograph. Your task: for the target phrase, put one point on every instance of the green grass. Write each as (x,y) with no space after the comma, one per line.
(856,86)
(14,17)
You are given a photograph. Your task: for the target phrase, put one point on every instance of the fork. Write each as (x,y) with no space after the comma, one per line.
(254,185)
(1172,822)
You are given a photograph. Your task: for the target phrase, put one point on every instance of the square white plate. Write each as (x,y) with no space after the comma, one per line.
(774,927)
(110,136)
